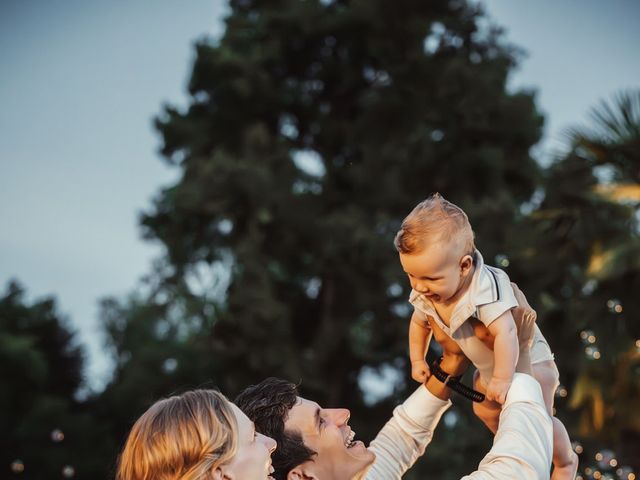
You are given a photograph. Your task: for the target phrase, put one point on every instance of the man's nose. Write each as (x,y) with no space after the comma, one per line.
(339,416)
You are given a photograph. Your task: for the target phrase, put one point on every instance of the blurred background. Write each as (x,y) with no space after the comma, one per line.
(205,193)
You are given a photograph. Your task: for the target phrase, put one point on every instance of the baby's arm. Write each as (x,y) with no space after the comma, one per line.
(505,351)
(525,320)
(419,338)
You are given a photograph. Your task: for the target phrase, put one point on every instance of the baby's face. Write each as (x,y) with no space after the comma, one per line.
(437,271)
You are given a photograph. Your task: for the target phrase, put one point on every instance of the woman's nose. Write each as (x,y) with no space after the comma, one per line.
(270,443)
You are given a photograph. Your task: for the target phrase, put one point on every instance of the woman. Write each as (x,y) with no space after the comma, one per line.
(197,435)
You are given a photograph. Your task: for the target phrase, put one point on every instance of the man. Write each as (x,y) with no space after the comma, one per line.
(315,443)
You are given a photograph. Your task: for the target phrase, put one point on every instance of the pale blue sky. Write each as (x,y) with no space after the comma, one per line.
(81,81)
(578,52)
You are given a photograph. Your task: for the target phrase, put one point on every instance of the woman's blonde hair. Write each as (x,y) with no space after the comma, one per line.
(184,437)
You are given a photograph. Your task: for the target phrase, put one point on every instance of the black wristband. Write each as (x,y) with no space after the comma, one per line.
(440,374)
(453,382)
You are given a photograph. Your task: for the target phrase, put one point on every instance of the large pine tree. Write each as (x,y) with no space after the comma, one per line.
(313,128)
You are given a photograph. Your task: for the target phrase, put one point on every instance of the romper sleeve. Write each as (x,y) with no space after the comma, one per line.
(496,295)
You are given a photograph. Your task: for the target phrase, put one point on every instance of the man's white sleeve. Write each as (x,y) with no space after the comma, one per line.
(404,438)
(523,445)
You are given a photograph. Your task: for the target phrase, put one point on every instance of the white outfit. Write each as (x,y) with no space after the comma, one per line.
(404,438)
(489,295)
(522,447)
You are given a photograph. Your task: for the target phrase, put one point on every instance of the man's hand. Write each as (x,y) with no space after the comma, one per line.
(420,371)
(497,390)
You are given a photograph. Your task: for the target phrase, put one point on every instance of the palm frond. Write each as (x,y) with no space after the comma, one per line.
(615,123)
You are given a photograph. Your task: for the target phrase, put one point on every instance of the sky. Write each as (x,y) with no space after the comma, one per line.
(82,81)
(577,53)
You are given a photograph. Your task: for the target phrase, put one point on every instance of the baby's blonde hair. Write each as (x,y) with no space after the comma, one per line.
(432,220)
(184,437)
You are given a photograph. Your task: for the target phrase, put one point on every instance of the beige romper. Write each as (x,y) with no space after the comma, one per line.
(489,295)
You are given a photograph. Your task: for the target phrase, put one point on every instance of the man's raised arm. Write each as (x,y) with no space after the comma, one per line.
(405,437)
(523,445)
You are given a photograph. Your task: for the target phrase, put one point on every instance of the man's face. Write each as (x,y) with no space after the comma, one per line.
(325,431)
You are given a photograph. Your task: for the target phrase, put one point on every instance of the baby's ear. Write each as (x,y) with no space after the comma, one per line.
(466,263)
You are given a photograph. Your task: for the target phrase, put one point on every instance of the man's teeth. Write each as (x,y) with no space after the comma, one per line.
(349,440)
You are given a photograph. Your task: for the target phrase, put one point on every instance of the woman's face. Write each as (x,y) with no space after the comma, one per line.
(253,458)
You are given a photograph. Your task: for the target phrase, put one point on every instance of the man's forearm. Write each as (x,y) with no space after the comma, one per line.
(405,437)
(523,444)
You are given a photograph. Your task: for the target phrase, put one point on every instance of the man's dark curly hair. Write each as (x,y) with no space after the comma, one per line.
(267,404)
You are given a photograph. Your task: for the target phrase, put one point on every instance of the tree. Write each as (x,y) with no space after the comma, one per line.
(45,429)
(580,259)
(158,348)
(313,129)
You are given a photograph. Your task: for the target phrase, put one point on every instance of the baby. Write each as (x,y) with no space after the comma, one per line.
(469,307)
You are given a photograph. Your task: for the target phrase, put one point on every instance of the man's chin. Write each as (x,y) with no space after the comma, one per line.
(362,453)
(365,458)
(357,445)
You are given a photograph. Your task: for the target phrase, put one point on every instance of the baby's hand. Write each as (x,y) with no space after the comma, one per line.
(497,390)
(420,371)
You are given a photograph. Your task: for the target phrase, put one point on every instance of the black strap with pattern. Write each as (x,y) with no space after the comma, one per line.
(454,383)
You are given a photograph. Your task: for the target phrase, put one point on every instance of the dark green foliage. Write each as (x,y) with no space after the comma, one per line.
(43,425)
(387,103)
(313,129)
(580,264)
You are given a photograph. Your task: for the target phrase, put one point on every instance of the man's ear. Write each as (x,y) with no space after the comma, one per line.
(301,472)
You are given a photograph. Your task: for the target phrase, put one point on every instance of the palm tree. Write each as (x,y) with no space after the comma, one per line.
(579,259)
(604,390)
(614,139)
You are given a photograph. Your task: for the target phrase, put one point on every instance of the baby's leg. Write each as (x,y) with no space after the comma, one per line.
(565,461)
(487,411)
